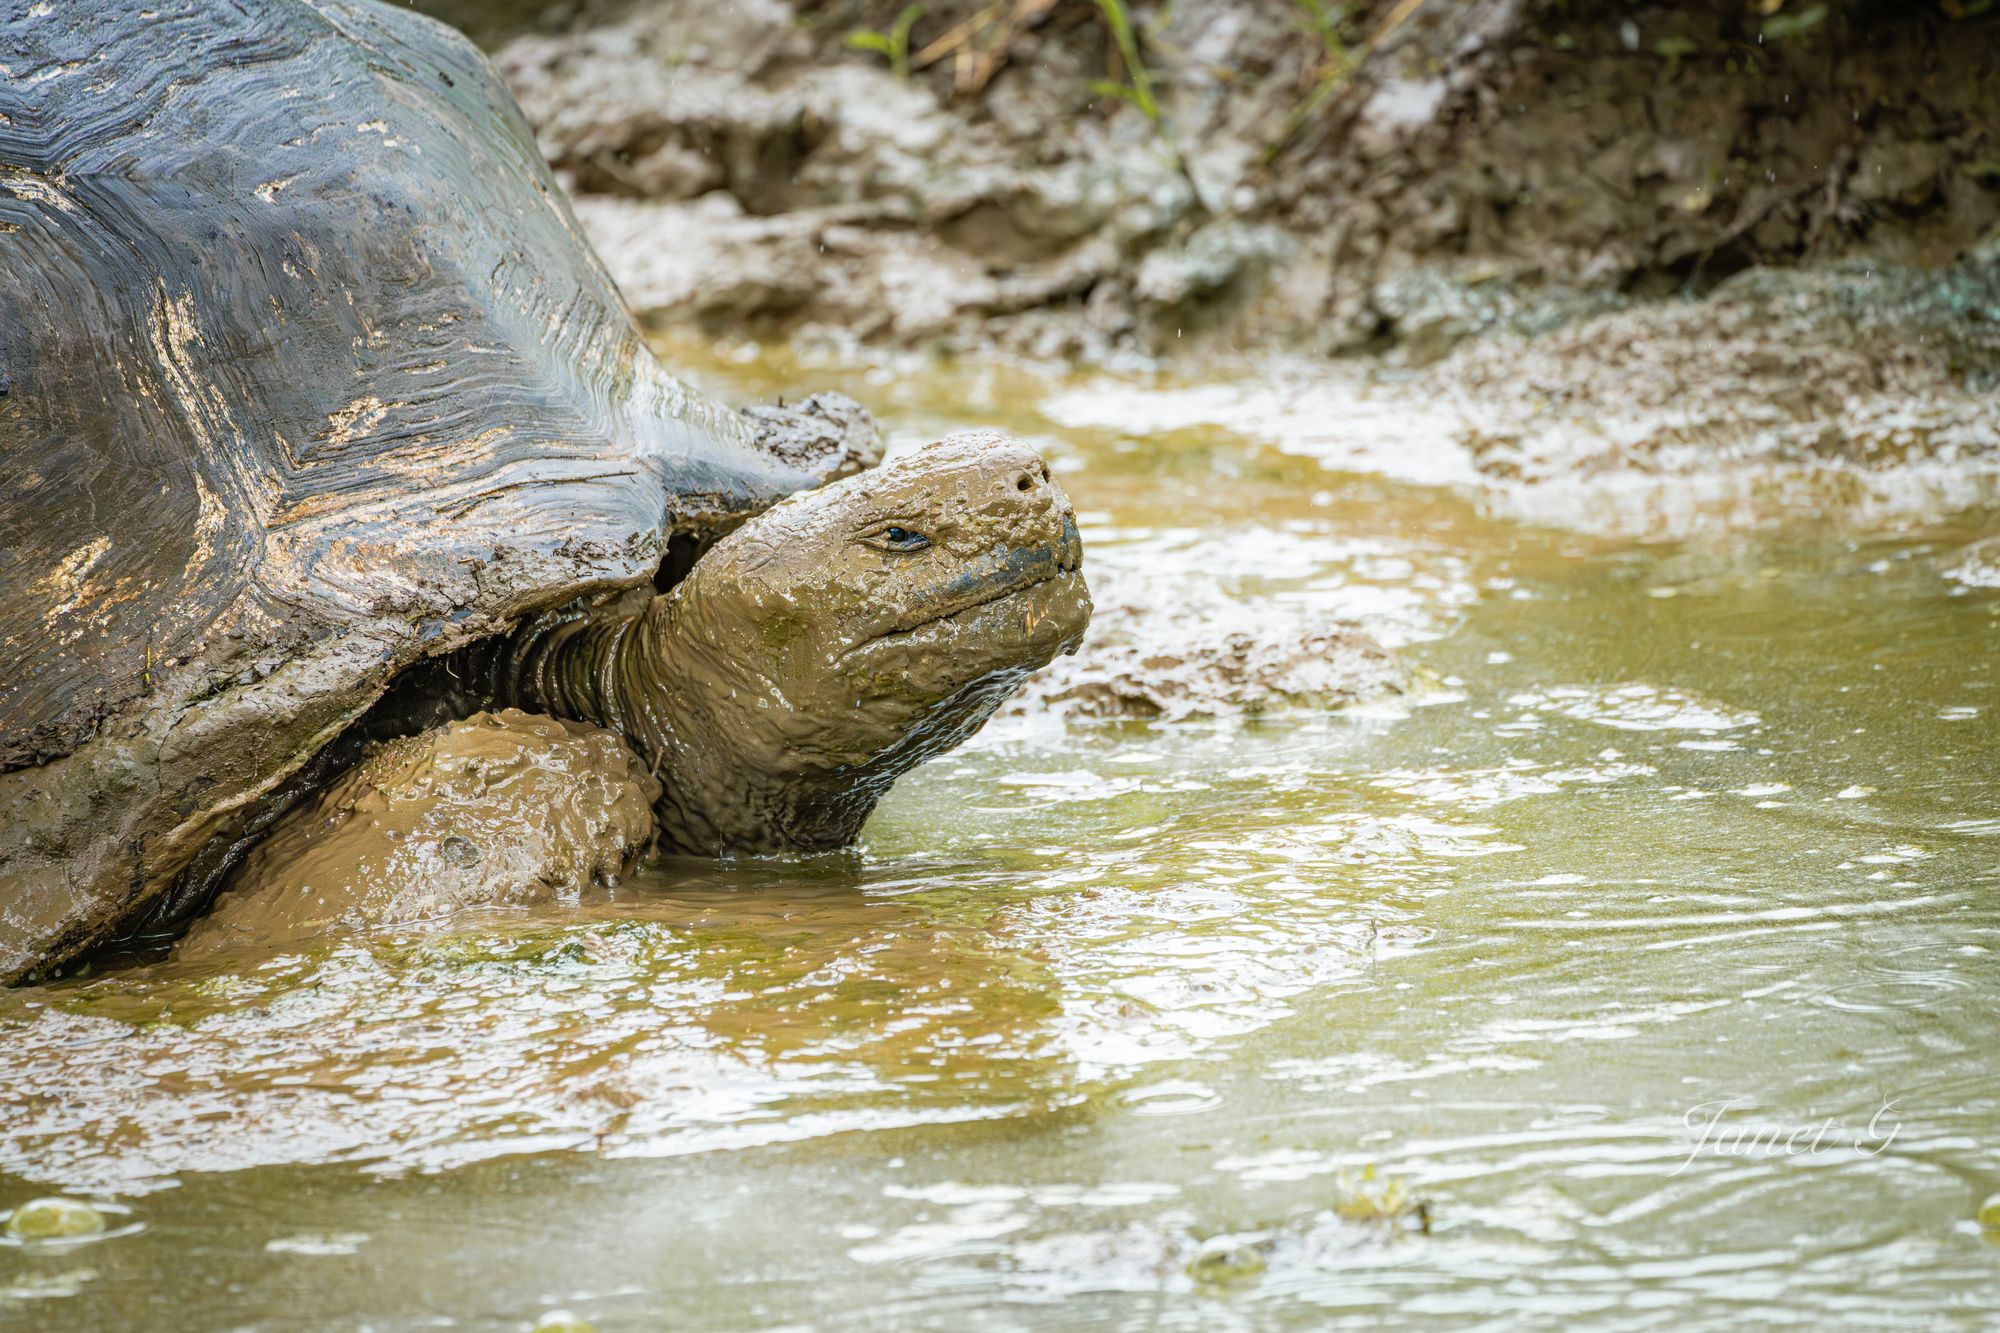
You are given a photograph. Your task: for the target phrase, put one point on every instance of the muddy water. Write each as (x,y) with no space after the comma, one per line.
(1170,1025)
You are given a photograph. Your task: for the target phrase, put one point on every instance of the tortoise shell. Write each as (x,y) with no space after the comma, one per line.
(306,373)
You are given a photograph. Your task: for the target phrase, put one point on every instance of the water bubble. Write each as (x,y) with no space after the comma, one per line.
(55,1218)
(562,1321)
(1228,1261)
(1989,1214)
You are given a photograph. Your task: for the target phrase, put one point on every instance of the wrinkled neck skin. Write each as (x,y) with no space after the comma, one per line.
(676,699)
(781,688)
(742,768)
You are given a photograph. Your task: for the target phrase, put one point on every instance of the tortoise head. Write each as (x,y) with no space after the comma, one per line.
(849,633)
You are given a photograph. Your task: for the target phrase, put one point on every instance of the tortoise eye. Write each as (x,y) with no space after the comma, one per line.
(896,538)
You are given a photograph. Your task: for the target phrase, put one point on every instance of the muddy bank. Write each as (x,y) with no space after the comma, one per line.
(1854,389)
(1609,244)
(1332,179)
(1848,393)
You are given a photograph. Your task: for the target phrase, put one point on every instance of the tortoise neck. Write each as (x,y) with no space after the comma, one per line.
(634,671)
(681,693)
(686,692)
(565,665)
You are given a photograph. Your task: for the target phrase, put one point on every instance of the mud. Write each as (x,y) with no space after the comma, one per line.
(1859,388)
(1853,364)
(501,810)
(1856,392)
(1167,663)
(1397,177)
(1978,566)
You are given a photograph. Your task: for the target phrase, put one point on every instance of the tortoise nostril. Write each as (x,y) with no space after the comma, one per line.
(1026,483)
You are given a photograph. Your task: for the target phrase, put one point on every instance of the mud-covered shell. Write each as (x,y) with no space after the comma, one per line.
(306,373)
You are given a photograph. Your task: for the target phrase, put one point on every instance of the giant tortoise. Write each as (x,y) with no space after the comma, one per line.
(307,378)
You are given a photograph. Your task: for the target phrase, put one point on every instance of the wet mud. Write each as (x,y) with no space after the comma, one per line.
(1143,659)
(1378,177)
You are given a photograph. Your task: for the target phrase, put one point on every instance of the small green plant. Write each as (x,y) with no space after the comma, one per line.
(1673,50)
(1782,27)
(894,45)
(1336,70)
(1324,21)
(1138,90)
(1335,66)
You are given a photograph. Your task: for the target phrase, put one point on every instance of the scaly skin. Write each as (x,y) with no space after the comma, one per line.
(827,646)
